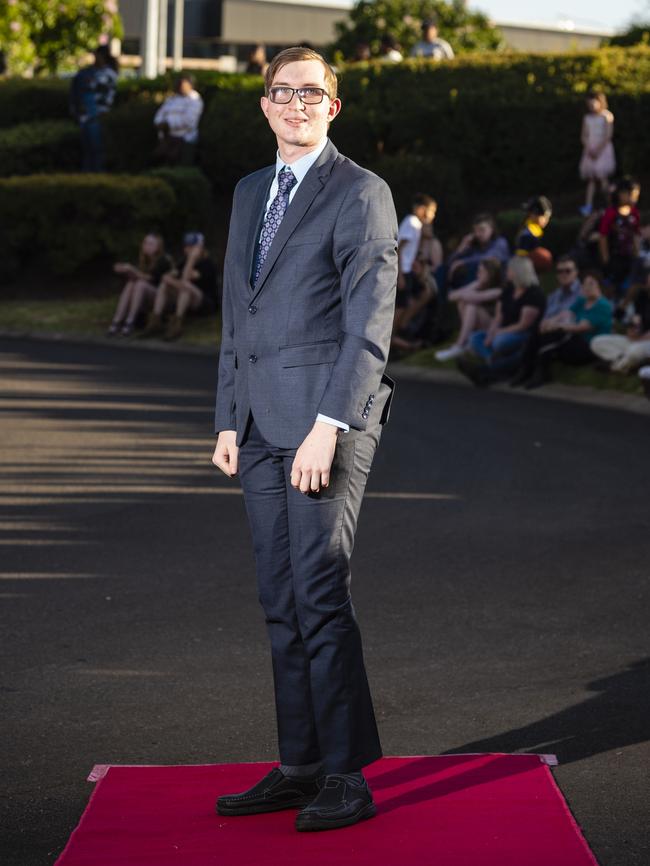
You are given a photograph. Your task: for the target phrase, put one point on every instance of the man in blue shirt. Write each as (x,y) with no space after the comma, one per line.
(92,93)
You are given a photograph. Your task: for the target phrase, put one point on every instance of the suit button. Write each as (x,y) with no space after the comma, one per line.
(252,358)
(252,309)
(364,414)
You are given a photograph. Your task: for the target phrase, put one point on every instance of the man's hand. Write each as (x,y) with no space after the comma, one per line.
(313,460)
(226,453)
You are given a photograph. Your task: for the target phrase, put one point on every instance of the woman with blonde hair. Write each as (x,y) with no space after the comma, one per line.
(498,349)
(141,284)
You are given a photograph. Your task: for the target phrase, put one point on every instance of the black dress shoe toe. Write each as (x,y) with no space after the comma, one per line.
(271,794)
(339,804)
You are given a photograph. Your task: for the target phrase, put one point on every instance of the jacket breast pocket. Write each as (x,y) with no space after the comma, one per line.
(302,354)
(300,240)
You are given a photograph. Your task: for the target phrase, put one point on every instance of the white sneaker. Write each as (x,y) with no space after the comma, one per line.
(450,353)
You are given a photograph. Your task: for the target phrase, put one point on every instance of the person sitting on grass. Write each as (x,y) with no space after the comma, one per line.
(476,305)
(626,352)
(191,286)
(496,352)
(570,333)
(529,238)
(141,284)
(410,297)
(620,237)
(483,242)
(559,301)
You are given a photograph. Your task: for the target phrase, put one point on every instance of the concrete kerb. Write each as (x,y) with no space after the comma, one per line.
(579,394)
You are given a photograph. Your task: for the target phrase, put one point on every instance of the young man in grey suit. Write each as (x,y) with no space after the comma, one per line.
(308,300)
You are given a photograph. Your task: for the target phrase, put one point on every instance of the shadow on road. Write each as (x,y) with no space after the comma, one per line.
(618,716)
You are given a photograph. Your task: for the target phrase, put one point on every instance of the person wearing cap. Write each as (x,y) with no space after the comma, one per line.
(190,287)
(431,45)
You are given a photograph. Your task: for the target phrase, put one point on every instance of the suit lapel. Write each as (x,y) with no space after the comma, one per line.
(310,186)
(255,220)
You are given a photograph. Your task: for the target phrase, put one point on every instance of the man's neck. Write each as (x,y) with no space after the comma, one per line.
(290,153)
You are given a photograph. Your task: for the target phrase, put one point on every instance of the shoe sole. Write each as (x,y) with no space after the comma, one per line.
(233,811)
(306,825)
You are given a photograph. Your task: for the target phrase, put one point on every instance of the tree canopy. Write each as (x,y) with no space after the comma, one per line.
(43,36)
(369,20)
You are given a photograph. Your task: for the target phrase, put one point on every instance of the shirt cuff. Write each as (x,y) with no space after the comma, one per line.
(345,427)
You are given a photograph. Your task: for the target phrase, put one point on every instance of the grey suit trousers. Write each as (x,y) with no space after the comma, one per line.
(303,544)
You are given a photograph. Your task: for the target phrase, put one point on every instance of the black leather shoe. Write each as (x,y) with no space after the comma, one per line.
(339,804)
(273,793)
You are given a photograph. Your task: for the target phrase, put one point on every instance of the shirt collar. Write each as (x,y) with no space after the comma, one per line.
(301,166)
(573,289)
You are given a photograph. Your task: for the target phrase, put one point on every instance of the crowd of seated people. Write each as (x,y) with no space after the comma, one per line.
(515,320)
(157,294)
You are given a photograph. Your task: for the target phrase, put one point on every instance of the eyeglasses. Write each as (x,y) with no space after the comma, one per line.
(308,95)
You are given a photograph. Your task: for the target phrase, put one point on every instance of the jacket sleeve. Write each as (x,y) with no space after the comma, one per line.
(225,417)
(365,254)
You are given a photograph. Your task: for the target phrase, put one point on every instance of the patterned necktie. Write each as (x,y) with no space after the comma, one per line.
(286,182)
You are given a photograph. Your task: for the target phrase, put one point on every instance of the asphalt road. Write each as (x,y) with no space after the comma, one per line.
(500,576)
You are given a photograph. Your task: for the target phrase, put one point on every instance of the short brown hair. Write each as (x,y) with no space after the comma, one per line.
(291,55)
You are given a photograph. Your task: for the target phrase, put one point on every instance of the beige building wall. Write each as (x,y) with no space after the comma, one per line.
(522,37)
(278,23)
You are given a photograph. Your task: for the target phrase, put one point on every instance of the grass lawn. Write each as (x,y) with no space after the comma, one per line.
(562,373)
(89,316)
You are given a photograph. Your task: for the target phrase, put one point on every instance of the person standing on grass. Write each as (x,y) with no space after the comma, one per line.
(92,93)
(598,161)
(431,45)
(308,296)
(177,123)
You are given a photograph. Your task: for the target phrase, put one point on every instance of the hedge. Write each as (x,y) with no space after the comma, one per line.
(62,222)
(49,145)
(500,123)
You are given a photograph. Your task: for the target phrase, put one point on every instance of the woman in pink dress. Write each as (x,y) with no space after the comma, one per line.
(598,162)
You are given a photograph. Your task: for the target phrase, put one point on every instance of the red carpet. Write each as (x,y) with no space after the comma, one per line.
(452,810)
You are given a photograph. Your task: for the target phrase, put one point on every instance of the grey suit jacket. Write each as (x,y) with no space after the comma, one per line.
(313,335)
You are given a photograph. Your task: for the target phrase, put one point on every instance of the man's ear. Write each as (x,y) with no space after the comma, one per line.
(334,103)
(264,105)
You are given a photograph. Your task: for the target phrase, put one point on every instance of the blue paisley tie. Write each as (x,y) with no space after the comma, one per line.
(286,181)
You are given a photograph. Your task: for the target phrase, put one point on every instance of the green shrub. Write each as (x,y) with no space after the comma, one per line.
(234,136)
(49,145)
(63,222)
(194,207)
(407,174)
(504,123)
(130,136)
(24,100)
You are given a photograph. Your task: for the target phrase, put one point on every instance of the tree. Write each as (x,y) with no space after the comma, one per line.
(638,33)
(46,36)
(369,20)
